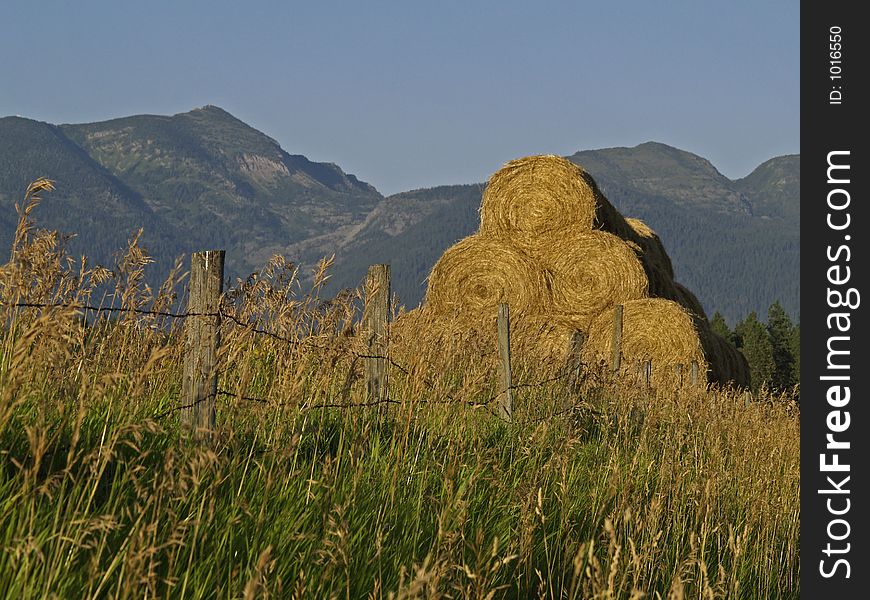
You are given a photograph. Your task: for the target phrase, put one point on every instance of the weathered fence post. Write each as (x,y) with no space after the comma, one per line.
(647,373)
(506,399)
(575,360)
(694,374)
(617,338)
(202,337)
(377,314)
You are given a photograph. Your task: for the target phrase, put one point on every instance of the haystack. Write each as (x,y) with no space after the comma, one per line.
(591,272)
(688,300)
(473,276)
(655,330)
(651,245)
(562,256)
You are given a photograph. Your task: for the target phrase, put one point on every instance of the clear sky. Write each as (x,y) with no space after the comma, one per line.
(408,94)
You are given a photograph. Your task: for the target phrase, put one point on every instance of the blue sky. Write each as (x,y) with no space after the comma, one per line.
(413,94)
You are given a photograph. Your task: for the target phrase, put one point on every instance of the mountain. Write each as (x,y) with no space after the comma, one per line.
(775,188)
(204,179)
(196,180)
(103,209)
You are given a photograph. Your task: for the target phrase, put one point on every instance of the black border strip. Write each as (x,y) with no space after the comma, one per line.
(832,122)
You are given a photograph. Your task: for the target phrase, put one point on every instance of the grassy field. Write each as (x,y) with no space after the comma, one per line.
(609,491)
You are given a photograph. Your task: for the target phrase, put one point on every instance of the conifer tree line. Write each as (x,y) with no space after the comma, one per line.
(772,349)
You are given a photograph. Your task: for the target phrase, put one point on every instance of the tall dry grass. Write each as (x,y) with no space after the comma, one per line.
(607,492)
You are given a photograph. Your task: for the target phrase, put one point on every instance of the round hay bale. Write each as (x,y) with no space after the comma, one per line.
(735,369)
(537,193)
(742,374)
(422,333)
(452,339)
(477,273)
(653,329)
(592,271)
(720,365)
(651,244)
(542,339)
(689,301)
(660,283)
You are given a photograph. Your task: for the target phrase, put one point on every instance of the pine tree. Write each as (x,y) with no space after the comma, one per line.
(720,327)
(781,330)
(756,347)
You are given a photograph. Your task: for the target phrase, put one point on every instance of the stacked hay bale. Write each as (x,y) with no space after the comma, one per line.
(655,330)
(552,246)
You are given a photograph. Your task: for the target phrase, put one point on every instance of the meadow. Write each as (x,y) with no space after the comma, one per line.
(601,490)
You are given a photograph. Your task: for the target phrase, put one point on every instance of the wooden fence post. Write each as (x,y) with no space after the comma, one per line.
(694,375)
(202,337)
(506,399)
(377,314)
(617,338)
(575,360)
(647,373)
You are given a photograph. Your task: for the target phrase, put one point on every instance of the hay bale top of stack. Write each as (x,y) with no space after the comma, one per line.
(537,193)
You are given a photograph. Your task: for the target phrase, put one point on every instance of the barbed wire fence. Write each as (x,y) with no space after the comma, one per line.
(200,378)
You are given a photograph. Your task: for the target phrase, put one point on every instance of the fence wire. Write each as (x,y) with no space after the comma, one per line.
(448,399)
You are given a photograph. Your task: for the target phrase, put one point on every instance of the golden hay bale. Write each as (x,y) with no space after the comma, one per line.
(651,244)
(740,374)
(688,300)
(542,339)
(592,271)
(660,283)
(450,338)
(654,329)
(727,364)
(719,361)
(477,273)
(534,194)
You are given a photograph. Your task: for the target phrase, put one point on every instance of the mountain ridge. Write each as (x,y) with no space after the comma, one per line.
(204,178)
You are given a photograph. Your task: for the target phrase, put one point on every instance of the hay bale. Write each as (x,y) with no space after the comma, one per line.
(450,338)
(535,194)
(727,366)
(654,329)
(689,301)
(477,273)
(542,339)
(739,373)
(660,283)
(651,244)
(591,272)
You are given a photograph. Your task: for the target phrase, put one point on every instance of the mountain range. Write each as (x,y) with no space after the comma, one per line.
(204,179)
